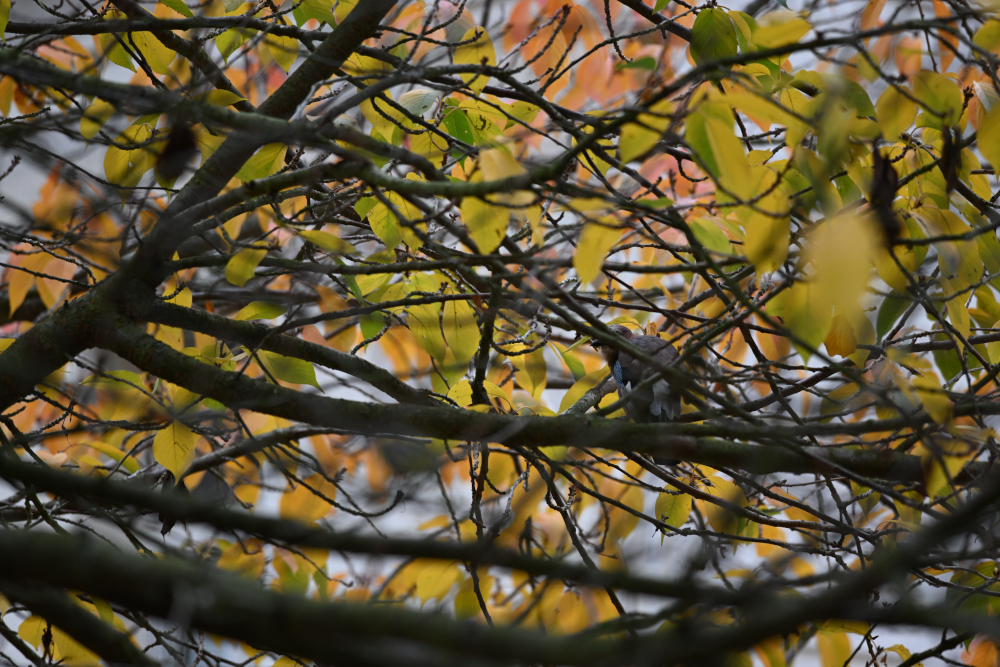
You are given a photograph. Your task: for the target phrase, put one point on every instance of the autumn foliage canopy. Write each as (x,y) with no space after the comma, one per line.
(296,306)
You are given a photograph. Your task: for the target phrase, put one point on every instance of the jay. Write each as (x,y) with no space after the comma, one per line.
(658,402)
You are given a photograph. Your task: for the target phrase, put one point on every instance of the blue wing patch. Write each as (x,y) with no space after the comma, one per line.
(617,370)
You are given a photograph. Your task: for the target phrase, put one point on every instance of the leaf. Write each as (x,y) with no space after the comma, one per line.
(638,138)
(112,48)
(478,51)
(328,242)
(942,96)
(305,502)
(4,16)
(890,310)
(259,310)
(673,508)
(712,36)
(487,224)
(834,649)
(988,138)
(156,54)
(265,162)
(596,240)
(721,519)
(426,328)
(647,63)
(241,266)
(461,333)
(933,398)
(841,341)
(895,113)
(179,7)
(466,600)
(126,167)
(229,41)
(284,50)
(94,117)
(581,387)
(173,448)
(993,349)
(116,381)
(290,369)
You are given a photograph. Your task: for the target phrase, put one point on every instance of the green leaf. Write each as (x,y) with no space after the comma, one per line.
(457,125)
(260,310)
(240,268)
(265,162)
(888,313)
(712,37)
(179,7)
(290,369)
(660,4)
(173,448)
(321,10)
(647,63)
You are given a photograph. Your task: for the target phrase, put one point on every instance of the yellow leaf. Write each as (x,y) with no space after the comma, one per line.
(487,224)
(932,397)
(426,328)
(733,170)
(721,519)
(596,239)
(639,137)
(94,117)
(834,649)
(241,266)
(461,393)
(328,242)
(458,321)
(988,138)
(4,16)
(126,167)
(173,448)
(841,341)
(673,509)
(993,349)
(466,600)
(309,501)
(895,113)
(779,28)
(245,558)
(268,160)
(259,310)
(479,50)
(156,54)
(767,233)
(284,50)
(940,94)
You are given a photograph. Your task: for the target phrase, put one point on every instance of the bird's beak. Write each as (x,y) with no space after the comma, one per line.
(594,343)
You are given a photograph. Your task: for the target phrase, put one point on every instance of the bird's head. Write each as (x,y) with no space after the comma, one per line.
(609,353)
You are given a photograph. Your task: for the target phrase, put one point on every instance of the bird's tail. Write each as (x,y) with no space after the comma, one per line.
(666,405)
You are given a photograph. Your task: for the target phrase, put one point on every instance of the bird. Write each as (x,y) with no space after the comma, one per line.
(658,402)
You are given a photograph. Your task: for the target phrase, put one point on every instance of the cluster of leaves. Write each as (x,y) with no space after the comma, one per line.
(312,309)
